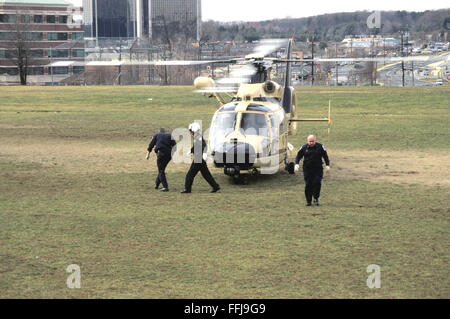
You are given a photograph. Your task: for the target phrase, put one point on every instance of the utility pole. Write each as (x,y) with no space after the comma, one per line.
(51,63)
(337,71)
(371,64)
(312,62)
(351,47)
(403,63)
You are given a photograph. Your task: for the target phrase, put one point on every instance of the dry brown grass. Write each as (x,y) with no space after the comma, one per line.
(77,157)
(399,167)
(410,167)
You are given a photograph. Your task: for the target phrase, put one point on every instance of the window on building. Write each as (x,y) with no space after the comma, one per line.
(7,36)
(78,69)
(58,53)
(59,70)
(51,19)
(57,36)
(62,19)
(7,18)
(9,71)
(35,71)
(25,18)
(33,36)
(77,36)
(8,54)
(37,53)
(38,19)
(77,53)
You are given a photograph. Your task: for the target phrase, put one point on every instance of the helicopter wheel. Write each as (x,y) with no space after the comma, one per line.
(255,172)
(241,179)
(290,167)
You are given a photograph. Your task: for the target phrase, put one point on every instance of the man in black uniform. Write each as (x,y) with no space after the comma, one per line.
(199,163)
(312,152)
(163,143)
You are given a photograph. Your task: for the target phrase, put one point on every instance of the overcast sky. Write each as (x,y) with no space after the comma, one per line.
(256,10)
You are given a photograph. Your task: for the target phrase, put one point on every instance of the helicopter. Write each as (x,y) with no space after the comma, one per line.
(249,134)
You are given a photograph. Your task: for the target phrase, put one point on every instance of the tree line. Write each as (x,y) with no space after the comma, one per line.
(330,27)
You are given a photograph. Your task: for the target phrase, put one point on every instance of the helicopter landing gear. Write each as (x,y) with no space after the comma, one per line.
(241,179)
(290,167)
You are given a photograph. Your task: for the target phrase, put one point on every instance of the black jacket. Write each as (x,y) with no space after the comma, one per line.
(312,156)
(198,148)
(163,142)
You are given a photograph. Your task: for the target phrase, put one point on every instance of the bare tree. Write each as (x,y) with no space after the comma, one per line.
(19,45)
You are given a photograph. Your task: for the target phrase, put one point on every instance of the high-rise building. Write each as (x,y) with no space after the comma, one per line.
(110,18)
(176,17)
(142,18)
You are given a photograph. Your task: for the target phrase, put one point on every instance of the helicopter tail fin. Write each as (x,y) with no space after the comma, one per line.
(288,90)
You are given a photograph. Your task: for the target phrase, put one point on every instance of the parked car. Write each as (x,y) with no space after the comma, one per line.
(439,82)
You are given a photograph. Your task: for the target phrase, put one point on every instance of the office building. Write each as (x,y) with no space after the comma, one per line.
(142,18)
(47,33)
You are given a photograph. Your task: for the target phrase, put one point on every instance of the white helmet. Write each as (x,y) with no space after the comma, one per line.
(194,127)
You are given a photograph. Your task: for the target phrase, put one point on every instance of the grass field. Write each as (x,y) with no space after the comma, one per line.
(75,189)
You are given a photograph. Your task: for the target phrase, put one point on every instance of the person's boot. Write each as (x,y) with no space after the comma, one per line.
(156,186)
(215,189)
(308,204)
(164,189)
(185,191)
(316,201)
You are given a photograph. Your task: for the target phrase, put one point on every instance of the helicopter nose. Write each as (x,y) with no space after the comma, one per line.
(241,154)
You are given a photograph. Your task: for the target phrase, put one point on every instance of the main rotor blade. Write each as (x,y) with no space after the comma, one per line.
(380,59)
(160,63)
(217,90)
(268,46)
(240,75)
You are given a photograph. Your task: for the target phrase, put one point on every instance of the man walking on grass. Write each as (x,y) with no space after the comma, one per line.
(163,143)
(312,153)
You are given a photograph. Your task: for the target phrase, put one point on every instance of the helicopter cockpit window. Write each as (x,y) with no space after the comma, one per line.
(280,116)
(254,124)
(274,125)
(224,123)
(228,108)
(266,99)
(258,108)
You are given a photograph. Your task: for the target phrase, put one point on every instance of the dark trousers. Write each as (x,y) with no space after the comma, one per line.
(313,183)
(194,169)
(162,161)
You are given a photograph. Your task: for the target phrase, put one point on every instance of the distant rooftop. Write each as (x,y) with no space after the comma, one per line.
(36,2)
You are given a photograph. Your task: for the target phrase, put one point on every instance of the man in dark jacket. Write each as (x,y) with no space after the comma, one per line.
(163,143)
(312,152)
(199,163)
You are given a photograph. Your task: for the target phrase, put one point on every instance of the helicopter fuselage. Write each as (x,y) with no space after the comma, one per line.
(250,133)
